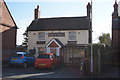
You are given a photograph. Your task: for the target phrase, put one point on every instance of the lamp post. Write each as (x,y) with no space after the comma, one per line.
(91,42)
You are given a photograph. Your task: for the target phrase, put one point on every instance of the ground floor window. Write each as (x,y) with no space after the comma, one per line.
(41,50)
(73,54)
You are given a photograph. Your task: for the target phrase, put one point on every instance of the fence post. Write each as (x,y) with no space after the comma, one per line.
(99,62)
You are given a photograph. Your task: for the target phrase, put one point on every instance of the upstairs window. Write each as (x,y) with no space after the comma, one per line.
(72,36)
(41,36)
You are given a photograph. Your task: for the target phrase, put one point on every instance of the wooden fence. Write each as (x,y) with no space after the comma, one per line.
(105,59)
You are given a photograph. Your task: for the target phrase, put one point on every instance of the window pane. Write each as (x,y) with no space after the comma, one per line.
(43,56)
(40,49)
(28,55)
(17,55)
(41,36)
(72,35)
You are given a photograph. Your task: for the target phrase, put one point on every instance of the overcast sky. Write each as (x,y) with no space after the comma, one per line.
(23,13)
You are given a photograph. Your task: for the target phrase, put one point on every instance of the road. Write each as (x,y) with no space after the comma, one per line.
(31,72)
(63,71)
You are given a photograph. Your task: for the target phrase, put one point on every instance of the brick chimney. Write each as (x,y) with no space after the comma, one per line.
(89,10)
(37,13)
(115,13)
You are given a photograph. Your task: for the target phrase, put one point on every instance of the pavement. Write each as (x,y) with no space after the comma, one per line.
(109,72)
(75,69)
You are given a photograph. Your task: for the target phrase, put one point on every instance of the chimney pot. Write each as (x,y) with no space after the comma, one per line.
(37,6)
(115,13)
(36,13)
(88,9)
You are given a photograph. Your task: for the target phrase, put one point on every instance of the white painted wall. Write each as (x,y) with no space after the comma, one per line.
(82,37)
(119,8)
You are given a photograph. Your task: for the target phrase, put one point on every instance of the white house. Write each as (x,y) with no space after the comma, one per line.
(64,36)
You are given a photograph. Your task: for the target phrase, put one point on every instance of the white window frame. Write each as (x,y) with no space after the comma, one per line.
(72,36)
(39,49)
(43,34)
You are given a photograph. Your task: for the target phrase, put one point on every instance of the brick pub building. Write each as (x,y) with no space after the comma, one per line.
(8,29)
(116,27)
(116,32)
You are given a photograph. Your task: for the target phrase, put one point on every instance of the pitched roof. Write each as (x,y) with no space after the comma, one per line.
(62,23)
(6,17)
(57,40)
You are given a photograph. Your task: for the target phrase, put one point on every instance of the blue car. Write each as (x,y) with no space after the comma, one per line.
(22,59)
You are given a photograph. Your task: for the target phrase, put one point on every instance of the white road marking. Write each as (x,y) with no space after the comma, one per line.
(29,75)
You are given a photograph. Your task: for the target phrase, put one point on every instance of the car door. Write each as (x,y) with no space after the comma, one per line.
(32,59)
(27,59)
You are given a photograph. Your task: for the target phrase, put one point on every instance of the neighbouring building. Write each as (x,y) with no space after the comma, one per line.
(116,26)
(67,37)
(8,29)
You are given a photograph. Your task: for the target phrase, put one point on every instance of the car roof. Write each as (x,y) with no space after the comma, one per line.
(22,53)
(47,53)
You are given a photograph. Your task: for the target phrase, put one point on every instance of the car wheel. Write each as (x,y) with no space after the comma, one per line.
(53,67)
(25,65)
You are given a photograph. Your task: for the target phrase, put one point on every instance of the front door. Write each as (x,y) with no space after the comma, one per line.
(53,50)
(53,47)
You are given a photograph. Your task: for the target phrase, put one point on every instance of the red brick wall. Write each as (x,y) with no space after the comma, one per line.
(9,39)
(115,38)
(8,44)
(8,32)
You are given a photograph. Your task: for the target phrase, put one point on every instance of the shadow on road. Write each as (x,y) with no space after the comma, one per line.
(63,71)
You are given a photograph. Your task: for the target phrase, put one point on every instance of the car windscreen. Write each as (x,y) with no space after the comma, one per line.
(44,56)
(17,55)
